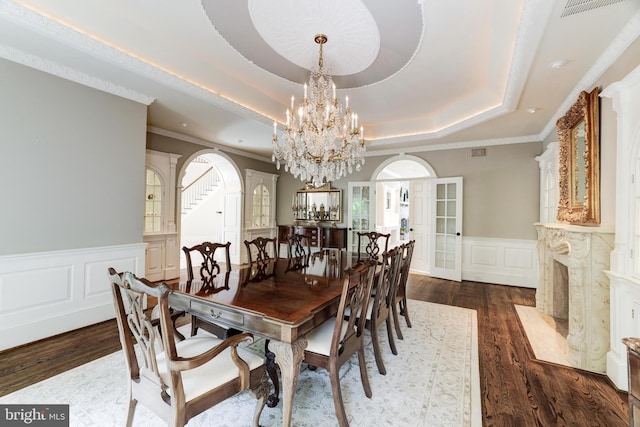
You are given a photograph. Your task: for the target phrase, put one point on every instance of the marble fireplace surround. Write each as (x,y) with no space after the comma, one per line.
(578,293)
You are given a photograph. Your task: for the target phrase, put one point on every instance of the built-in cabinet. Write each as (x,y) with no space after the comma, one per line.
(162,254)
(624,270)
(260,207)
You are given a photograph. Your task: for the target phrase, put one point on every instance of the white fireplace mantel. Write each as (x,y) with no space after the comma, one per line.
(585,251)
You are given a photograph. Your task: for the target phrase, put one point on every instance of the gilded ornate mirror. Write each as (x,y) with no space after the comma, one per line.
(578,131)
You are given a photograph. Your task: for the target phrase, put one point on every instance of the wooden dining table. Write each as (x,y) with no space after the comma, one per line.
(282,300)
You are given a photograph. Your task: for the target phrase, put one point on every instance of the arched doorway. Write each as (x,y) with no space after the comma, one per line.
(402,204)
(210,202)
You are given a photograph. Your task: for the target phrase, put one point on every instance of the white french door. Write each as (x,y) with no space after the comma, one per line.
(446,220)
(419,224)
(361,212)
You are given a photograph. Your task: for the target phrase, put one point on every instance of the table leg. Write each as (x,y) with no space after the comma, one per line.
(289,358)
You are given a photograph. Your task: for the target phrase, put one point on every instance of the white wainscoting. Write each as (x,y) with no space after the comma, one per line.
(501,261)
(44,294)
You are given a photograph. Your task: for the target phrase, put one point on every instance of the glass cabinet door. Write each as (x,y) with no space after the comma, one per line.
(153,203)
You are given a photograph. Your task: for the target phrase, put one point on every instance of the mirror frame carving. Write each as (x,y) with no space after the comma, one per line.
(588,212)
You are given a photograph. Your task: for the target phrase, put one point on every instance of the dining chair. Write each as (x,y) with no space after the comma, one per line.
(371,244)
(382,299)
(400,300)
(209,269)
(178,380)
(260,256)
(209,266)
(258,250)
(336,340)
(298,245)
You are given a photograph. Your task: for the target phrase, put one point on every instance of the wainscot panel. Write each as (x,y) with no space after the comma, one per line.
(500,261)
(45,294)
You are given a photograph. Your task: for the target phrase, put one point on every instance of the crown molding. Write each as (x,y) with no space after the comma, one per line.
(67,73)
(456,145)
(620,43)
(205,143)
(27,18)
(535,15)
(50,28)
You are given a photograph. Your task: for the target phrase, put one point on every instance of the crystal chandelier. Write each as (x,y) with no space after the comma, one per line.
(321,139)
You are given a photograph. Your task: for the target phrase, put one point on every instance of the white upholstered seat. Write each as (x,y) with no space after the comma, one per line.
(177,380)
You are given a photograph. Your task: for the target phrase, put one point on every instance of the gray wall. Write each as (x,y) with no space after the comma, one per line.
(73,164)
(167,144)
(501,190)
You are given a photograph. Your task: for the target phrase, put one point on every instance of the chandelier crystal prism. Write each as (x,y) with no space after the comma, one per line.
(321,141)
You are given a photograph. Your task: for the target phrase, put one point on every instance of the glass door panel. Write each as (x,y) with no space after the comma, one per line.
(447,238)
(361,210)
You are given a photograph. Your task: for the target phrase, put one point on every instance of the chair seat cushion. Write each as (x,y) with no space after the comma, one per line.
(319,340)
(216,372)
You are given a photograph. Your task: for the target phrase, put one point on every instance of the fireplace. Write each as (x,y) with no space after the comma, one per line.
(573,286)
(560,290)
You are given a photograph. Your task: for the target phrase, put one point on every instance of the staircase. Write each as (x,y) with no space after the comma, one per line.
(199,189)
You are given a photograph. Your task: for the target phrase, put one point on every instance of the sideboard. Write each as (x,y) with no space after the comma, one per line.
(320,237)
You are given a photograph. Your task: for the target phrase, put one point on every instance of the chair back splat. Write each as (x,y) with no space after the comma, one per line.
(209,270)
(258,250)
(168,376)
(372,244)
(298,245)
(209,267)
(332,343)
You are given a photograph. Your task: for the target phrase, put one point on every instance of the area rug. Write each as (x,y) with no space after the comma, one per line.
(548,338)
(433,381)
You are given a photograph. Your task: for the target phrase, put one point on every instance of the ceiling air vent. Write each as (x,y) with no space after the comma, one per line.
(578,6)
(478,152)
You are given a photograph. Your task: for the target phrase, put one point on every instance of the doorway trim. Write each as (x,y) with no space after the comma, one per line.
(233,187)
(402,156)
(416,179)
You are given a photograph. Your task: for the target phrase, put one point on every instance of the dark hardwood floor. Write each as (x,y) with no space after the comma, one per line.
(516,390)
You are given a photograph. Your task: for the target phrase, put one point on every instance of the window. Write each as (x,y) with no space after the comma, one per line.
(261,206)
(153,203)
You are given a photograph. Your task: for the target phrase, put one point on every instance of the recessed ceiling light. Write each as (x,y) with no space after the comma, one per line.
(557,64)
(532,110)
(183,124)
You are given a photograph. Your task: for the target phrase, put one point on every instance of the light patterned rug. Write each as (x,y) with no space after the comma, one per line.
(433,381)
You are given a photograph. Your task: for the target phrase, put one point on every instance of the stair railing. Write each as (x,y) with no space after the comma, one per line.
(193,193)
